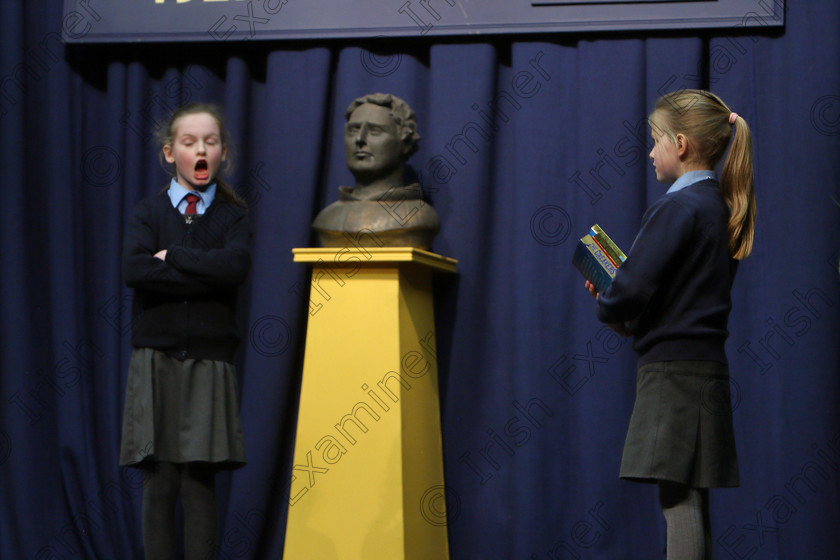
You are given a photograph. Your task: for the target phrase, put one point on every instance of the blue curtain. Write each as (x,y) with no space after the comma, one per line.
(526,142)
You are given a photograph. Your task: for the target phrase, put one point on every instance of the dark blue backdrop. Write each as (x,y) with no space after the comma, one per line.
(519,345)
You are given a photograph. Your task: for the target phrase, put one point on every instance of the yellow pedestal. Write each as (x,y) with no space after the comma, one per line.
(367,478)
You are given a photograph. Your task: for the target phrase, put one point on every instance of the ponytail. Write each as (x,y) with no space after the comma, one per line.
(738,188)
(226,193)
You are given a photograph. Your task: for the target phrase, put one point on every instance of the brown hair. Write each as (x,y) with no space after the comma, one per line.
(705,119)
(166,136)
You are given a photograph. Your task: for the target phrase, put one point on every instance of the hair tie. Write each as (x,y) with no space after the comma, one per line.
(733,117)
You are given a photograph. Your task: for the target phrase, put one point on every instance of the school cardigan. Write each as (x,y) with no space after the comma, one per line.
(675,284)
(186,306)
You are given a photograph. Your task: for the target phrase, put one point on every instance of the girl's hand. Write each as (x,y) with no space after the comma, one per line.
(591,287)
(161,255)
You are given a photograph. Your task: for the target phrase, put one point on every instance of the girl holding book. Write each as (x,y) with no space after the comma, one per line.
(674,288)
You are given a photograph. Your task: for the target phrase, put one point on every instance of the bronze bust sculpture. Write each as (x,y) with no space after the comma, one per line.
(379,137)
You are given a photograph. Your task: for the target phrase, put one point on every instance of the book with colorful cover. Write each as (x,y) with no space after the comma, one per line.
(616,255)
(597,258)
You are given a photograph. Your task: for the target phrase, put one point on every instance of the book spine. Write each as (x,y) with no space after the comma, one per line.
(613,258)
(593,263)
(607,243)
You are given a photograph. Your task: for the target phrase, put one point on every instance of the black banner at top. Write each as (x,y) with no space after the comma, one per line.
(239,20)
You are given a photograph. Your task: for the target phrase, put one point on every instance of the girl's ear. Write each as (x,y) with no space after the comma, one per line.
(682,145)
(167,154)
(224,152)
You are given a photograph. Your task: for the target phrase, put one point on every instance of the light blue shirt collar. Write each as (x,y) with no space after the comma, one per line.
(178,192)
(690,177)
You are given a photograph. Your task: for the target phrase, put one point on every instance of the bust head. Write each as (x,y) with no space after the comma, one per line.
(379,137)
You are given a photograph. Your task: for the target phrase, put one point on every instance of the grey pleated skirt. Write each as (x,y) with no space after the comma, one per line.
(681,427)
(181,411)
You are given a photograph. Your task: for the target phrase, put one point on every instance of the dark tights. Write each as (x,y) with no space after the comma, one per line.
(162,484)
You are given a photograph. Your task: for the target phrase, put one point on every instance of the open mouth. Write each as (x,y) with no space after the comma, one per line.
(201,169)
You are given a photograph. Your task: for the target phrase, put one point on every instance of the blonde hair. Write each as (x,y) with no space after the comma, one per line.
(705,119)
(166,136)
